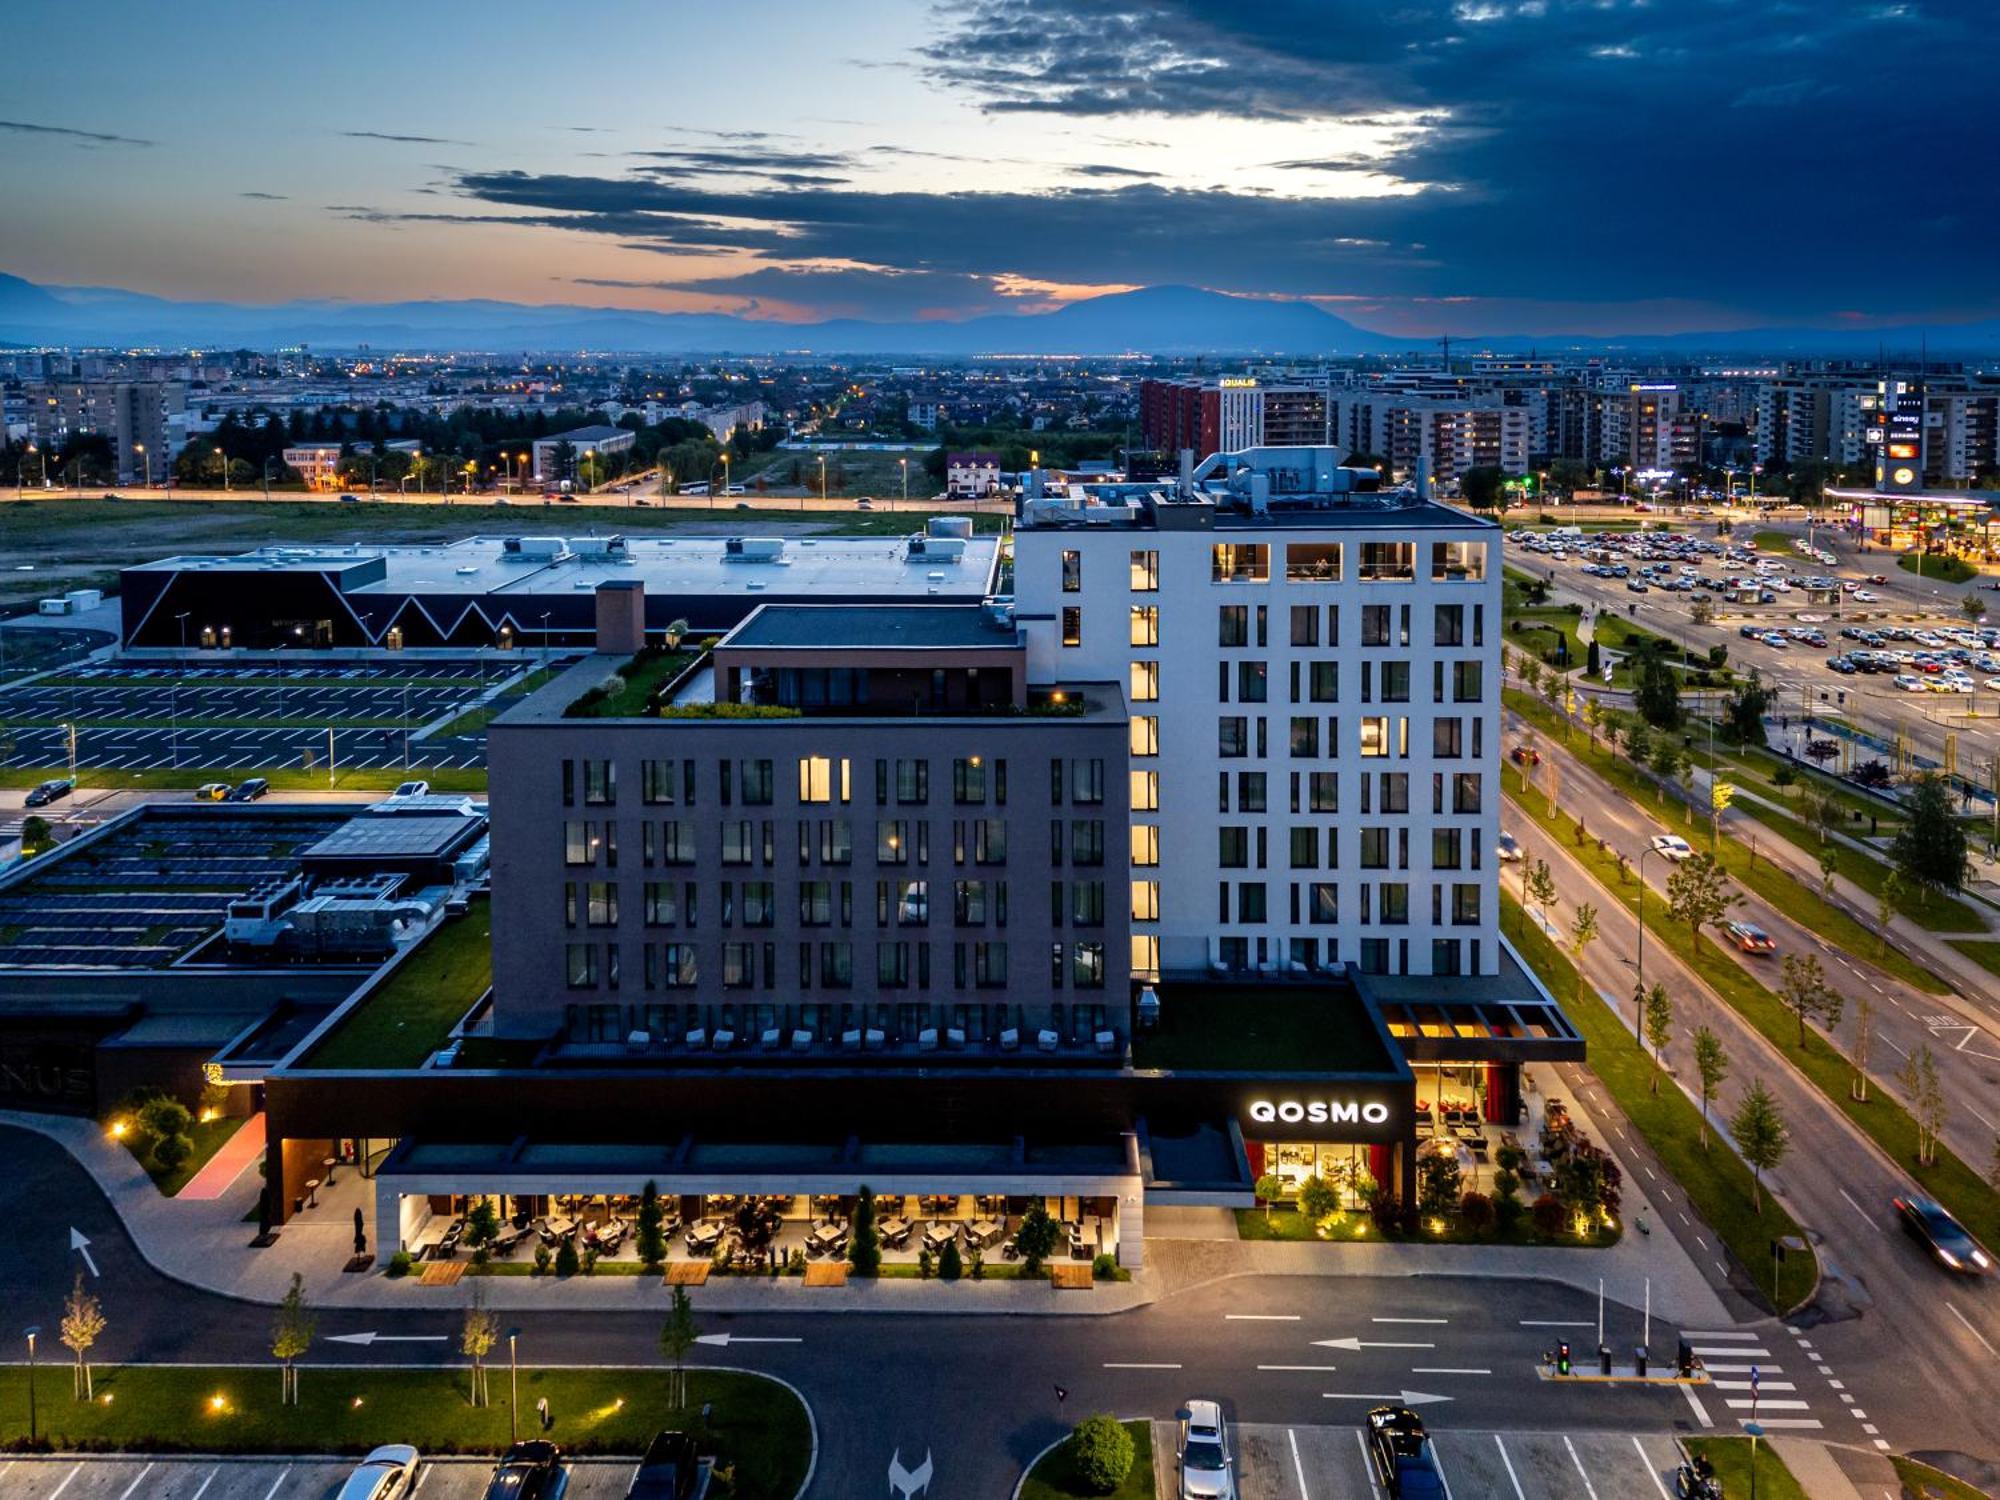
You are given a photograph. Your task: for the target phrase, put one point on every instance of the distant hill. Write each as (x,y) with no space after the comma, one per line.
(1175,320)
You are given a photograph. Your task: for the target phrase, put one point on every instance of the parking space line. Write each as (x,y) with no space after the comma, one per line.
(1589,1488)
(1700,1411)
(1652,1469)
(1512,1477)
(57,1492)
(1298,1464)
(1367,1463)
(283,1475)
(205,1484)
(1438,1464)
(135,1482)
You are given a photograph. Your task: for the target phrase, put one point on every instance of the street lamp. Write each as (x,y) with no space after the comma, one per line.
(513,1384)
(725,472)
(180,666)
(32,1332)
(822,484)
(224,458)
(904,465)
(21,473)
(1639,999)
(70,731)
(145,470)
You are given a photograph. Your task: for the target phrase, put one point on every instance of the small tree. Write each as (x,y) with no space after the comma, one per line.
(1269,1188)
(678,1336)
(1657,693)
(1698,894)
(1930,851)
(1887,899)
(650,1237)
(1972,606)
(1711,1066)
(951,1265)
(1759,1130)
(864,1252)
(1864,1044)
(476,1340)
(1918,1078)
(165,1122)
(1701,609)
(1581,1184)
(1993,1166)
(1807,995)
(1540,886)
(1593,714)
(82,1322)
(1582,933)
(1440,1184)
(1829,867)
(1317,1199)
(1035,1239)
(292,1332)
(482,1228)
(1101,1453)
(1659,1013)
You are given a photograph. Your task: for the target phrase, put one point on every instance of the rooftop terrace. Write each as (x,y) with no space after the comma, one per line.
(409,1015)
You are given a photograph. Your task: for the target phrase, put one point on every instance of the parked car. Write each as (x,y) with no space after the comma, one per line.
(1751,938)
(529,1471)
(1926,1222)
(251,790)
(1673,847)
(669,1471)
(1208,1471)
(212,791)
(1508,848)
(50,791)
(1399,1451)
(411,789)
(388,1473)
(1865,596)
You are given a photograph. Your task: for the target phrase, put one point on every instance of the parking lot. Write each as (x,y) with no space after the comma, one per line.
(1330,1463)
(265,1478)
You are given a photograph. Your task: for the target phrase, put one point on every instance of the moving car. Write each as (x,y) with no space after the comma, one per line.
(1751,938)
(1865,596)
(1525,755)
(669,1471)
(212,791)
(1929,1225)
(1673,847)
(1208,1472)
(529,1471)
(411,789)
(1508,848)
(389,1473)
(251,790)
(1399,1451)
(50,791)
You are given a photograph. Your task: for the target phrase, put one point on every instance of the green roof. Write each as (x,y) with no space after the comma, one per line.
(410,1014)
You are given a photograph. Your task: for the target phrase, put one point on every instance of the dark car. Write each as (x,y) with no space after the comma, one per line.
(529,1471)
(1525,755)
(1929,1225)
(1400,1453)
(251,790)
(669,1471)
(50,791)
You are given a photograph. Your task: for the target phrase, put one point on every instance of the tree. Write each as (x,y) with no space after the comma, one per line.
(1864,1043)
(1972,606)
(1743,713)
(1480,487)
(477,1338)
(82,1322)
(1711,1066)
(1698,894)
(1657,694)
(1593,659)
(1887,899)
(1702,609)
(292,1332)
(677,1338)
(482,1228)
(1760,1134)
(1101,1453)
(1666,764)
(1539,886)
(1921,1086)
(1829,867)
(864,1250)
(1593,716)
(650,1238)
(1638,742)
(1930,850)
(165,1122)
(1317,1199)
(1807,995)
(1440,1184)
(951,1265)
(1582,933)
(1269,1188)
(1659,1013)
(1582,1183)
(1035,1238)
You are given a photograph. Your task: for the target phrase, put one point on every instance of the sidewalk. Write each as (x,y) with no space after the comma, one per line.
(205,1243)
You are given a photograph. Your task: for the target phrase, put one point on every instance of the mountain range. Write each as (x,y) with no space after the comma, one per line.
(1168,320)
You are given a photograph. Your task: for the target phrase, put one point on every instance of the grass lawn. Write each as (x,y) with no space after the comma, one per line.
(1714,1177)
(1986,955)
(1951,1181)
(475,720)
(282,778)
(408,1017)
(1926,1483)
(635,698)
(1774,884)
(1354,1227)
(758,1426)
(1754,767)
(207,1137)
(1771,541)
(1054,1478)
(1731,1457)
(1219,1028)
(1937,568)
(1541,628)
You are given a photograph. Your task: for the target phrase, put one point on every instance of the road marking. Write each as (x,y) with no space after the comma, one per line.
(1651,1468)
(72,1475)
(1733,1351)
(1316,1369)
(1260,1317)
(1356,1345)
(1409,1320)
(283,1475)
(1700,1412)
(205,1484)
(1953,1310)
(1793,1424)
(135,1483)
(1856,1207)
(1556,1323)
(1367,1463)
(1110,1366)
(1744,1385)
(1512,1477)
(1753,1403)
(1589,1488)
(1748,1338)
(1298,1464)
(1857,1413)
(1444,1370)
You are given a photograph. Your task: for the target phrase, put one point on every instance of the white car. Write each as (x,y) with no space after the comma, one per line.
(1910,682)
(1509,847)
(1672,846)
(410,789)
(1865,596)
(389,1473)
(1208,1471)
(1951,684)
(1994,683)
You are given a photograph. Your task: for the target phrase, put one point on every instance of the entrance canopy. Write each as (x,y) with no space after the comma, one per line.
(1504,1017)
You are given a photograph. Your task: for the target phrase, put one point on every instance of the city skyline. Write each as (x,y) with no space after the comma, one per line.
(1464,168)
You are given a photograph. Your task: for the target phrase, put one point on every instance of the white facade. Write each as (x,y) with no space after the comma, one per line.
(1315,774)
(315,463)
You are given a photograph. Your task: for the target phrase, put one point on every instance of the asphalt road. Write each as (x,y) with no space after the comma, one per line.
(978,1392)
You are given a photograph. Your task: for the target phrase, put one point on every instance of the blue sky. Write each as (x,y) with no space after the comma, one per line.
(1472,166)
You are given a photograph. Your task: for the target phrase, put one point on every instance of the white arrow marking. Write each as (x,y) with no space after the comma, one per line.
(82,1247)
(724,1340)
(365,1339)
(1353,1345)
(1406,1398)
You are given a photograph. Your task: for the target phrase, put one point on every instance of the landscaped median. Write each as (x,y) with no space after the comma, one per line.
(1954,1184)
(1717,1183)
(1072,1469)
(757,1430)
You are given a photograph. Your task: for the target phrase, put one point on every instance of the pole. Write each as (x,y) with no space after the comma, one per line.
(513,1385)
(1646,1339)
(180,666)
(329,755)
(1600,1312)
(1639,999)
(31,1382)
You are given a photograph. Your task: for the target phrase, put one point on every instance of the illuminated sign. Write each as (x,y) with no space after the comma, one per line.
(1238,383)
(1902,450)
(1905,476)
(1319,1112)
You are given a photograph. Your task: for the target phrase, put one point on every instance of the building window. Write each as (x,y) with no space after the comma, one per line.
(1232,737)
(1395,681)
(1086,841)
(836,965)
(892,843)
(1323,791)
(1072,625)
(1312,562)
(739,965)
(1250,902)
(1464,905)
(836,842)
(759,903)
(1145,625)
(1374,624)
(1447,848)
(580,965)
(1305,738)
(1324,686)
(656,781)
(989,841)
(1467,684)
(816,779)
(601,904)
(1146,844)
(1145,791)
(1145,955)
(1458,562)
(1233,625)
(1146,572)
(1305,624)
(600,783)
(1448,738)
(1325,905)
(1072,572)
(1374,848)
(1088,973)
(1145,900)
(968,781)
(1374,736)
(1395,794)
(1240,562)
(1388,562)
(1394,899)
(1086,903)
(913,903)
(1448,625)
(678,969)
(660,905)
(968,903)
(816,903)
(757,782)
(1445,957)
(1145,734)
(1145,681)
(739,842)
(1232,847)
(1465,792)
(1252,682)
(1305,848)
(892,965)
(989,965)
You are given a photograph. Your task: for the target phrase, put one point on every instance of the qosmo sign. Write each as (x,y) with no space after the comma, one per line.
(1332,1117)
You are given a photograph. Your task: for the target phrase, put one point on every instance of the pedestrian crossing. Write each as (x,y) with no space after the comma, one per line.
(1748,1372)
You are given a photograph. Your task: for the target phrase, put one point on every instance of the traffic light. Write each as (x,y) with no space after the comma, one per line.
(1684,1360)
(1562,1359)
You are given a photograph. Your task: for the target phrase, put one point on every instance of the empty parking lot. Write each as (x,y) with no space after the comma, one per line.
(265,1478)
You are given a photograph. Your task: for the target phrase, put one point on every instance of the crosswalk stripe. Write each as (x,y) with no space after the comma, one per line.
(1761,1369)
(1790,1424)
(1748,1403)
(1730,1351)
(1744,1385)
(1748,1338)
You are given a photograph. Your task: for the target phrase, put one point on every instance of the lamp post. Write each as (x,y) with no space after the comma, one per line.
(725,471)
(1639,1000)
(21,473)
(70,731)
(513,1385)
(822,484)
(267,478)
(180,666)
(145,470)
(32,1333)
(224,457)
(904,465)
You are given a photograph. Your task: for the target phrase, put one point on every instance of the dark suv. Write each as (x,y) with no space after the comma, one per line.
(529,1471)
(1400,1454)
(669,1471)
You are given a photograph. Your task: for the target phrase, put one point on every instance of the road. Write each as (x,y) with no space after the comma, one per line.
(1897,1331)
(978,1392)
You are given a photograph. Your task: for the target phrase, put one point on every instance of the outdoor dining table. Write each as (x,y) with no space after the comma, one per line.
(822,1238)
(895,1231)
(704,1237)
(939,1235)
(982,1233)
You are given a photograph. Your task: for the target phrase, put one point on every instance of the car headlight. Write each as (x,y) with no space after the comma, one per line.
(1947,1257)
(1979,1259)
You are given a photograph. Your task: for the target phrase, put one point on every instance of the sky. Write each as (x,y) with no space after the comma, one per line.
(1417,166)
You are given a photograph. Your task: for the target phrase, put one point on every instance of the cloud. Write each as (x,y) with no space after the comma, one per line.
(1105,169)
(402,140)
(265,197)
(77,137)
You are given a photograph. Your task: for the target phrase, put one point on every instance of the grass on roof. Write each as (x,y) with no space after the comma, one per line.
(1227,1029)
(411,1014)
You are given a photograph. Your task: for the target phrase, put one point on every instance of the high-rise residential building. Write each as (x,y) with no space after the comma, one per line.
(1640,426)
(1231,413)
(143,420)
(1450,433)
